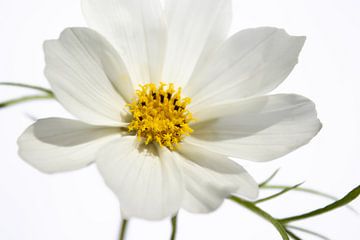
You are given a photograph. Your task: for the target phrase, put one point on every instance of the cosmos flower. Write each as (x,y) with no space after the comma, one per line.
(164,98)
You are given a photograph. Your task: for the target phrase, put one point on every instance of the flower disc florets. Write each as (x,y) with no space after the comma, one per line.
(160,115)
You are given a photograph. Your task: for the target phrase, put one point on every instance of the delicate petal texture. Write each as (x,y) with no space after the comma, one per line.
(252,62)
(259,129)
(56,145)
(195,28)
(210,177)
(137,29)
(84,70)
(146,179)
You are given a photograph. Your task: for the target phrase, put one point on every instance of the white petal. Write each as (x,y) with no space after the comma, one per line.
(211,177)
(252,62)
(56,145)
(259,129)
(195,29)
(84,70)
(136,28)
(146,179)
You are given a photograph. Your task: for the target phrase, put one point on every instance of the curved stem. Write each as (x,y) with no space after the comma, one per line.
(174,227)
(48,91)
(342,202)
(124,224)
(24,99)
(306,190)
(285,190)
(252,207)
(292,235)
(309,232)
(300,189)
(266,181)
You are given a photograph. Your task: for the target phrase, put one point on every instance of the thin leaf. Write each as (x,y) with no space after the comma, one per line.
(252,207)
(285,190)
(24,99)
(269,178)
(343,201)
(307,190)
(309,232)
(48,91)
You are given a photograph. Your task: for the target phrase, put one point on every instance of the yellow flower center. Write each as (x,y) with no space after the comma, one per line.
(160,115)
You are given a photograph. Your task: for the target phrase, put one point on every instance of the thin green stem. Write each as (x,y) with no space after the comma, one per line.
(343,201)
(293,235)
(174,227)
(285,190)
(300,189)
(252,207)
(306,190)
(48,91)
(124,225)
(308,232)
(24,99)
(266,181)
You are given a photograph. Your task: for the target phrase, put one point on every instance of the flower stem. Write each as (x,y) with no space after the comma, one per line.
(306,190)
(124,224)
(285,190)
(252,207)
(174,227)
(24,99)
(45,90)
(342,202)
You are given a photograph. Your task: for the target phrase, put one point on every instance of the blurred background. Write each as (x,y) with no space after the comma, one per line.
(78,205)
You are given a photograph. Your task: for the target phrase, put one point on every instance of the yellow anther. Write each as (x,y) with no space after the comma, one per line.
(160,115)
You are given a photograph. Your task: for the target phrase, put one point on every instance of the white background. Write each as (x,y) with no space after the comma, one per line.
(77,205)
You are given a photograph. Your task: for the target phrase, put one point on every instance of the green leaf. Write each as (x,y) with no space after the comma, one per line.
(343,201)
(306,190)
(269,178)
(285,190)
(309,232)
(24,99)
(45,90)
(252,207)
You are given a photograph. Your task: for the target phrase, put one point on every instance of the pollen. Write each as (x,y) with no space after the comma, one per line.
(159,115)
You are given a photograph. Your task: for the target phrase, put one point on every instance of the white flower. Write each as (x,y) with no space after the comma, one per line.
(179,158)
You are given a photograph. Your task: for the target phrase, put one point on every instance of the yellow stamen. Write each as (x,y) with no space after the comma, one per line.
(160,115)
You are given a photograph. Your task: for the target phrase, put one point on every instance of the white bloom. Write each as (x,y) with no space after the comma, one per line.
(179,158)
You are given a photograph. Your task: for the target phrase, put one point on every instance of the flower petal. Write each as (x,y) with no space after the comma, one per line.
(252,62)
(138,31)
(85,71)
(146,179)
(211,177)
(259,129)
(195,29)
(56,145)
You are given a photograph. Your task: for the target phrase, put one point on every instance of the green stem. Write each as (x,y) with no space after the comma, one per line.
(343,201)
(24,99)
(269,178)
(124,224)
(174,227)
(252,207)
(293,235)
(48,91)
(309,232)
(285,190)
(300,189)
(306,190)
